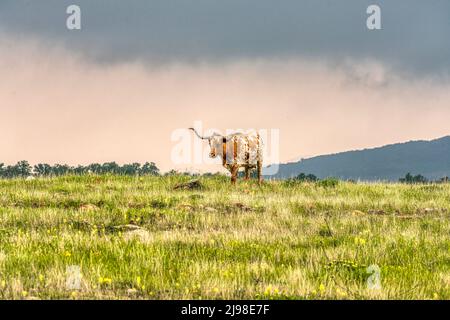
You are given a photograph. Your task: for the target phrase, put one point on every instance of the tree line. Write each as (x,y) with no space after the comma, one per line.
(414,179)
(24,169)
(408,179)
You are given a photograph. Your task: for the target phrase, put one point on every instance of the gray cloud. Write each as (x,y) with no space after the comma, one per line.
(415,35)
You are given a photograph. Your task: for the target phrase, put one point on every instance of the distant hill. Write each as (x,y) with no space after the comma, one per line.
(390,162)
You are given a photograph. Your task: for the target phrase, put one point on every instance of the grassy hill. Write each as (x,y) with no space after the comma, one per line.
(391,162)
(138,238)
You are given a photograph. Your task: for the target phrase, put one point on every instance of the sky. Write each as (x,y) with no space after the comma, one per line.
(139,71)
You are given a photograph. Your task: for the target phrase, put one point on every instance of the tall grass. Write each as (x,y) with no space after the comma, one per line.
(137,238)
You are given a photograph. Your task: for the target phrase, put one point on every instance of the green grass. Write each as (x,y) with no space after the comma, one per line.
(278,241)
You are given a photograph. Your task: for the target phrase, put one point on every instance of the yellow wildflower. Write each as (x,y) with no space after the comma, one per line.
(102,280)
(322,288)
(268,290)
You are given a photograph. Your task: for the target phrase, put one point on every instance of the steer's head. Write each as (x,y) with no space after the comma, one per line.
(214,141)
(215,145)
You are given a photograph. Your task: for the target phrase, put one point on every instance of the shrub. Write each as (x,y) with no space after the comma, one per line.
(328,183)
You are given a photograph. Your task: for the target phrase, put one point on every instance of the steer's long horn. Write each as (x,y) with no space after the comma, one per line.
(203,138)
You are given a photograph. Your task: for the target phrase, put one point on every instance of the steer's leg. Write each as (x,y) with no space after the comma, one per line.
(247,160)
(259,159)
(259,170)
(234,172)
(247,173)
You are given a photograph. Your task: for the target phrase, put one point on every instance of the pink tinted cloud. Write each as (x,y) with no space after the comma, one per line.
(57,107)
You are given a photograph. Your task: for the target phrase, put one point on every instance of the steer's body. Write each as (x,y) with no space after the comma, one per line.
(238,150)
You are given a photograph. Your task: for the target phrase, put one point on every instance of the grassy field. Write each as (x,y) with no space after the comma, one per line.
(137,238)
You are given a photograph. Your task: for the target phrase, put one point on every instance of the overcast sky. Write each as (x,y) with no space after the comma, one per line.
(138,70)
(415,33)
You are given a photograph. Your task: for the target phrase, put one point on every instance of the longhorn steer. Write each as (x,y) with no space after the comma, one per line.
(237,150)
